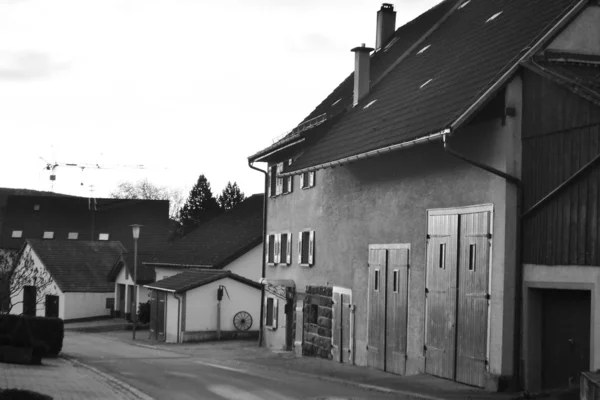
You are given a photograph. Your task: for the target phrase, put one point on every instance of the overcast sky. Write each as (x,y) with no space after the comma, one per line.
(182,87)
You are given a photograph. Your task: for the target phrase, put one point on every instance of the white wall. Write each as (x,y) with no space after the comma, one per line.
(249,265)
(165,272)
(42,274)
(172,316)
(201,305)
(85,305)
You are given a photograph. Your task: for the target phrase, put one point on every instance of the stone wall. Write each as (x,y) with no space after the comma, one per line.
(318,304)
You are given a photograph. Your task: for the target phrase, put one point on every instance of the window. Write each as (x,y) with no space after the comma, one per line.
(110,303)
(443,256)
(376,280)
(472,255)
(306,248)
(271,311)
(285,248)
(307,180)
(103,236)
(36,207)
(288,181)
(29,300)
(395,283)
(48,235)
(271,249)
(73,236)
(17,234)
(273,181)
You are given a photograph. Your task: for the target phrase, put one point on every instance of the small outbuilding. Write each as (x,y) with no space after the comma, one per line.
(205,304)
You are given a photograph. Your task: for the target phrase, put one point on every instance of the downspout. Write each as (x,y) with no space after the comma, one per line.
(178,315)
(262,274)
(519,253)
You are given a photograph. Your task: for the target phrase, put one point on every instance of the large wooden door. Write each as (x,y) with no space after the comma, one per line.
(440,292)
(565,337)
(396,311)
(52,306)
(376,312)
(473,298)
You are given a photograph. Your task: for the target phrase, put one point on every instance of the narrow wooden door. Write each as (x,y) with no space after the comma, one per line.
(347,355)
(29,300)
(440,291)
(566,316)
(161,298)
(376,312)
(396,310)
(336,328)
(52,306)
(473,298)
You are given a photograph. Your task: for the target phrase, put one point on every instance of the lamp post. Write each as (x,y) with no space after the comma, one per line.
(136,235)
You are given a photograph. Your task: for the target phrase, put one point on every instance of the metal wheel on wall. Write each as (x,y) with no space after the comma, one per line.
(242,321)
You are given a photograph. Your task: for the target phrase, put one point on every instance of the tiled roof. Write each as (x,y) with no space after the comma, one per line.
(78,266)
(220,240)
(426,92)
(192,279)
(145,273)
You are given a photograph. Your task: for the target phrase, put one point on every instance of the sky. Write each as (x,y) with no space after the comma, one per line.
(166,90)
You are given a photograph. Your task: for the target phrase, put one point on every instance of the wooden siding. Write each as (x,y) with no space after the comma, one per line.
(561,133)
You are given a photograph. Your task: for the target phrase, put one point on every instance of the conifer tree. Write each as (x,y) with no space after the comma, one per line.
(230,197)
(200,206)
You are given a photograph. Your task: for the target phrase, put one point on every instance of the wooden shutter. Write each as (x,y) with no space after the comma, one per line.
(268,249)
(299,248)
(336,327)
(279,189)
(275,312)
(299,327)
(311,179)
(288,252)
(269,179)
(311,248)
(290,183)
(302,180)
(376,308)
(277,248)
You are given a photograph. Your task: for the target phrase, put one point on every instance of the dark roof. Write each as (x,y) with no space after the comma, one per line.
(188,280)
(145,273)
(78,266)
(466,55)
(62,215)
(220,240)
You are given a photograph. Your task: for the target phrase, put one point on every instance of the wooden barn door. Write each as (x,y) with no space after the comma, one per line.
(440,300)
(388,307)
(376,310)
(396,311)
(473,298)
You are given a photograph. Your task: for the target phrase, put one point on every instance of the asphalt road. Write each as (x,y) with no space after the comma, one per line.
(168,375)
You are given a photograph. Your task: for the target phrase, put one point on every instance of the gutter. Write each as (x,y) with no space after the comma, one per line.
(342,161)
(178,315)
(264,265)
(260,158)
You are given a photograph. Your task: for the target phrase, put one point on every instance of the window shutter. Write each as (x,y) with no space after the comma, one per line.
(275,312)
(290,183)
(302,180)
(279,180)
(311,179)
(288,253)
(270,175)
(300,248)
(266,306)
(277,248)
(268,248)
(311,248)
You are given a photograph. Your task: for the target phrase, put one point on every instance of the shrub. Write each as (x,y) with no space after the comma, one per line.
(21,335)
(50,331)
(21,394)
(144,312)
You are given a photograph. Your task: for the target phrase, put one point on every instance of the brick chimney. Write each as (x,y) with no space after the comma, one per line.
(386,24)
(362,72)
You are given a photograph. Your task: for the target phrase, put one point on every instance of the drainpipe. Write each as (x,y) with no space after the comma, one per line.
(262,274)
(519,251)
(178,315)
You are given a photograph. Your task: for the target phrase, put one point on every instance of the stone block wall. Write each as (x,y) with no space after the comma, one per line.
(318,303)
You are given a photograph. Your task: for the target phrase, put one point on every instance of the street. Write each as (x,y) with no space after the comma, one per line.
(168,375)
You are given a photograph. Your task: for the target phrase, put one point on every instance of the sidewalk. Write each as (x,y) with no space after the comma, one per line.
(246,354)
(66,380)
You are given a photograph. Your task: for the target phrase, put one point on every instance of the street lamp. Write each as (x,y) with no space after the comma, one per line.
(136,235)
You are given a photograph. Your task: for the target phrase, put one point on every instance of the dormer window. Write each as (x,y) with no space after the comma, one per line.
(16,234)
(103,236)
(73,236)
(36,207)
(48,235)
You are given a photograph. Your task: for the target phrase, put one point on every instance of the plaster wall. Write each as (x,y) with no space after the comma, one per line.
(384,200)
(569,277)
(248,265)
(581,36)
(172,310)
(201,305)
(85,305)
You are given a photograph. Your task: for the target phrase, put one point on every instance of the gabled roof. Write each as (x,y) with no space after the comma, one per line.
(437,81)
(192,279)
(145,273)
(220,240)
(78,266)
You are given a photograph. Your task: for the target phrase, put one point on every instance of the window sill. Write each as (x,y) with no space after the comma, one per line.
(270,328)
(283,265)
(271,264)
(303,265)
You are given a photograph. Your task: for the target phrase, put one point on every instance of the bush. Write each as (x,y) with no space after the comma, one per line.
(144,312)
(21,394)
(49,331)
(21,335)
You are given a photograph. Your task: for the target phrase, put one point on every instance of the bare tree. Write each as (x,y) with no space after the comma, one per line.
(145,190)
(18,271)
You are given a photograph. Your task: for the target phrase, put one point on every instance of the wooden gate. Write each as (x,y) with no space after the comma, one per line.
(457,296)
(388,307)
(51,306)
(342,333)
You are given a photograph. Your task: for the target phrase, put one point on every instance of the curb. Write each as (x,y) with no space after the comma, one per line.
(117,382)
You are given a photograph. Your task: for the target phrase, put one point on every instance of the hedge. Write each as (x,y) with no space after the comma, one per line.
(50,331)
(22,394)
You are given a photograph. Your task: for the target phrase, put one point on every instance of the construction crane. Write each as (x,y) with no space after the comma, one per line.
(53,166)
